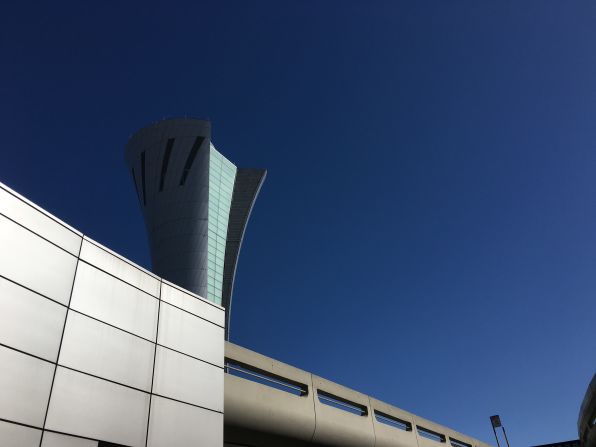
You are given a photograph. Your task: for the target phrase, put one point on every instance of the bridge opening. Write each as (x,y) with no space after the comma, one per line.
(341,403)
(393,421)
(266,378)
(429,434)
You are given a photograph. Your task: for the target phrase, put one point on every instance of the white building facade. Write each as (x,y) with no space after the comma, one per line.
(95,350)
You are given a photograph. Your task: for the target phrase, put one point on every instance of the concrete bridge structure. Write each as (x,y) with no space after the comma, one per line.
(269,403)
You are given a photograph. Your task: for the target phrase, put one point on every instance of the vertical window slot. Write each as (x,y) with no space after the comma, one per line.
(165,162)
(191,158)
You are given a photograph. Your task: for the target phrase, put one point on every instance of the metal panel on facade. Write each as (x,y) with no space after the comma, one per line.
(189,380)
(175,424)
(192,304)
(113,264)
(57,440)
(191,335)
(94,408)
(30,322)
(109,299)
(26,214)
(13,435)
(96,348)
(34,262)
(24,387)
(101,387)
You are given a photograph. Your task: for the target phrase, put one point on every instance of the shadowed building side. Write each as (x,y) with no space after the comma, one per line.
(246,189)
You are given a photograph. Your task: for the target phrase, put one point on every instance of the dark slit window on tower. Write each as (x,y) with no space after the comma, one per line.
(191,158)
(134,179)
(165,162)
(143,177)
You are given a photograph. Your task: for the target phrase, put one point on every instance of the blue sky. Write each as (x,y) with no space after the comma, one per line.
(427,230)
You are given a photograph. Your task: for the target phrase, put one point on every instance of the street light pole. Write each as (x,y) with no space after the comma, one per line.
(505,433)
(496,422)
(496,437)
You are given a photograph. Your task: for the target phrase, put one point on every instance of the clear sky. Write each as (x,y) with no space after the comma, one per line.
(427,230)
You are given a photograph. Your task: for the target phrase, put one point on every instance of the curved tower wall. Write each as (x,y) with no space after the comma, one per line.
(246,189)
(195,204)
(169,163)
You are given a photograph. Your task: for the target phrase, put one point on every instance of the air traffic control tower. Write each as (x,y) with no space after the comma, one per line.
(195,203)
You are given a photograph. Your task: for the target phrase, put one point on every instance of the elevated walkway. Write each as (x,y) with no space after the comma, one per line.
(269,403)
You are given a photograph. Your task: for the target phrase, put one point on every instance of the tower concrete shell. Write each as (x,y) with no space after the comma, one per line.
(195,204)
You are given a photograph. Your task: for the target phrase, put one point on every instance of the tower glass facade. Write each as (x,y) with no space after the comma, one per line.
(222,174)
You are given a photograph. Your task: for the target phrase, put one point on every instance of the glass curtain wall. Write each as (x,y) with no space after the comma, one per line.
(222,174)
